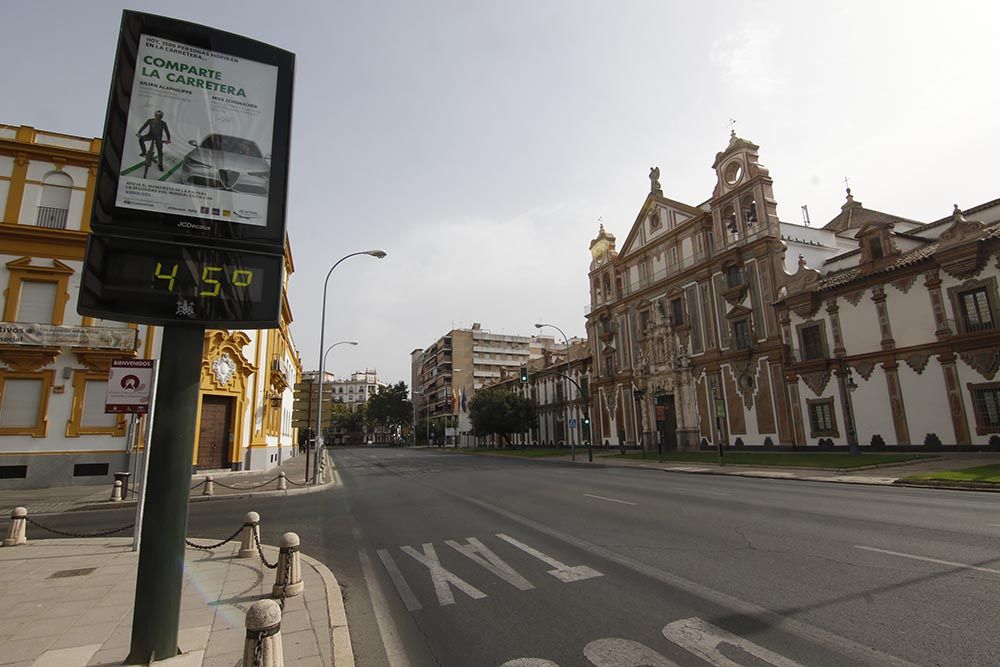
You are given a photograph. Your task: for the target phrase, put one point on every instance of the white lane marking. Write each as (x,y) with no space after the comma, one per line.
(928,560)
(480,554)
(613,652)
(394,651)
(442,577)
(841,645)
(704,639)
(995,525)
(403,588)
(529,662)
(563,572)
(610,500)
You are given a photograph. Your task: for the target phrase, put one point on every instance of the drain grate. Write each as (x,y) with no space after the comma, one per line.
(64,574)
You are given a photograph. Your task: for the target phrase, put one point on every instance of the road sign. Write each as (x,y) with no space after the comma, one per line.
(130,386)
(572,423)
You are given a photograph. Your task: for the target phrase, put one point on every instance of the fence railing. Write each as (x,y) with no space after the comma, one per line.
(51,218)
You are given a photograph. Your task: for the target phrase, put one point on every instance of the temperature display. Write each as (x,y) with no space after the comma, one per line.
(158,282)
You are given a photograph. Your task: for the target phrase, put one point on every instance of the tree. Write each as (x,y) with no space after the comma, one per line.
(346,422)
(390,407)
(502,412)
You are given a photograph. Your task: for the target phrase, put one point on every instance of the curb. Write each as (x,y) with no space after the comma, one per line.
(950,486)
(340,634)
(334,481)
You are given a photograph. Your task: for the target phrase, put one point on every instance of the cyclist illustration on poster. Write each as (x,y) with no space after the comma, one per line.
(199,132)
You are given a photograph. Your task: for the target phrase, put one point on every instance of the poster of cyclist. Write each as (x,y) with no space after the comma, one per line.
(199,131)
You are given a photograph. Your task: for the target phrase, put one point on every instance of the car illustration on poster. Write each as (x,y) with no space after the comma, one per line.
(227,163)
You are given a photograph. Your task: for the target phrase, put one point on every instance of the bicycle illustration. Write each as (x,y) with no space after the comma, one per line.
(151,156)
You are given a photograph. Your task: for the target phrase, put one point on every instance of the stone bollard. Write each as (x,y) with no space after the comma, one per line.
(116,491)
(17,533)
(282,482)
(263,624)
(251,526)
(288,548)
(209,489)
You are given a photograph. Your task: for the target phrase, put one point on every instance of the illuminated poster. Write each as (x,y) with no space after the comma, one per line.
(199,132)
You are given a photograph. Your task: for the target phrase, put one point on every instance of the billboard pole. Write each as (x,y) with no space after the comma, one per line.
(156,615)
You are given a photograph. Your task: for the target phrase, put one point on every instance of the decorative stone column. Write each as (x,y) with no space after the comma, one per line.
(288,575)
(956,404)
(878,296)
(896,406)
(263,622)
(17,531)
(251,533)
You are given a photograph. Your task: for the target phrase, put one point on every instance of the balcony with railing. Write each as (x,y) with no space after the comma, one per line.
(51,218)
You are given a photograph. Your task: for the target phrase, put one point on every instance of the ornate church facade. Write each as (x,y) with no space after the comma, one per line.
(704,326)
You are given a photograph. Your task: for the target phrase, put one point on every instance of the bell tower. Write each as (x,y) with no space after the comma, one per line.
(742,204)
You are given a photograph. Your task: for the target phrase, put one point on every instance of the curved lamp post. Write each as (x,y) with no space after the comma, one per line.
(539,325)
(379,254)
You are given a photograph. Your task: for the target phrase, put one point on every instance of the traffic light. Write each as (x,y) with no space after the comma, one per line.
(524,374)
(586,421)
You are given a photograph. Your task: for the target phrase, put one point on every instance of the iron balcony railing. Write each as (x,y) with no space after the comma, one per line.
(51,218)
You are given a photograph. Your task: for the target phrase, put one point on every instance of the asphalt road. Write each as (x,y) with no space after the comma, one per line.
(460,560)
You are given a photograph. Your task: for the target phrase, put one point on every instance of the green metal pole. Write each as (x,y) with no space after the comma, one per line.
(156,615)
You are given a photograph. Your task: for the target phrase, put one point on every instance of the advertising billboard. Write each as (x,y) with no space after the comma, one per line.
(196,137)
(198,134)
(188,218)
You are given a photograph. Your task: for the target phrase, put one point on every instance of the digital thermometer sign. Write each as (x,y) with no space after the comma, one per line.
(154,281)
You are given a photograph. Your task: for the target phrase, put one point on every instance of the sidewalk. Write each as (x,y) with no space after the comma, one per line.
(245,483)
(884,475)
(68,603)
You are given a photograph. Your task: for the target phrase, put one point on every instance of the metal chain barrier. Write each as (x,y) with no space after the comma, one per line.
(66,533)
(258,650)
(209,547)
(245,488)
(260,552)
(294,483)
(201,483)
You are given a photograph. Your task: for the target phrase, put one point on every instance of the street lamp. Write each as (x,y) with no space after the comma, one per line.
(379,254)
(586,412)
(322,378)
(847,386)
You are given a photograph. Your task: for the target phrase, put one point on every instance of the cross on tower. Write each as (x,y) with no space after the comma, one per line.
(732,126)
(846,183)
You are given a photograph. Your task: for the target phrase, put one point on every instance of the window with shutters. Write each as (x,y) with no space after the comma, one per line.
(975,305)
(812,341)
(822,419)
(23,402)
(37,301)
(35,292)
(986,406)
(87,416)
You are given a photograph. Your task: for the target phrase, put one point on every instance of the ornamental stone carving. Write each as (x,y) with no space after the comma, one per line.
(224,369)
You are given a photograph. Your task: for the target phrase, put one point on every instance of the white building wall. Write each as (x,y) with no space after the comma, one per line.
(910,314)
(926,403)
(858,324)
(870,402)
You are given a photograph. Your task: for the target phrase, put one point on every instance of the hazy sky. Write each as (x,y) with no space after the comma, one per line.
(479,142)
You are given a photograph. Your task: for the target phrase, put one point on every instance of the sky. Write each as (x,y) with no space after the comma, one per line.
(480,143)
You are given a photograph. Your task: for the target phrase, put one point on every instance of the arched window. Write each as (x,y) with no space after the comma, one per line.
(53,205)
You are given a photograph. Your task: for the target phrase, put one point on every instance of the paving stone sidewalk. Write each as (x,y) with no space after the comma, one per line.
(68,603)
(55,500)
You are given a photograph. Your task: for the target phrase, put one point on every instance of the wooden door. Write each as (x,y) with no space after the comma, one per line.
(213,437)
